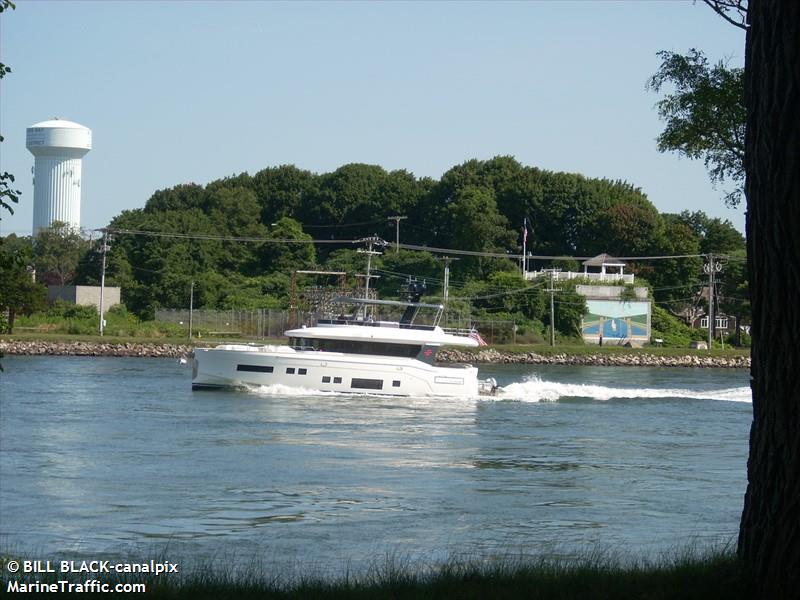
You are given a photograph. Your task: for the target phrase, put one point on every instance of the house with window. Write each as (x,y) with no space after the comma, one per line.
(722,323)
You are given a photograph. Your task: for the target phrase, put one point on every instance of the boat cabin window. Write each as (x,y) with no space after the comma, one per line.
(362,347)
(254,368)
(366,384)
(300,343)
(356,347)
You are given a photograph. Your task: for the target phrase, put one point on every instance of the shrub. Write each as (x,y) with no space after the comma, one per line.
(670,329)
(67,310)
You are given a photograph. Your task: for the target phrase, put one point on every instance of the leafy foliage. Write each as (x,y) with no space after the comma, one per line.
(237,240)
(58,250)
(674,333)
(705,115)
(19,293)
(8,195)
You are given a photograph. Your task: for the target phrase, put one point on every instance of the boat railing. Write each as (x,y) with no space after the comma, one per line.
(456,331)
(373,323)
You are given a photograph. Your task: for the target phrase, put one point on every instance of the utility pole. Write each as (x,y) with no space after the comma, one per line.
(446,290)
(524,247)
(396,220)
(191,308)
(370,241)
(103,280)
(711,268)
(552,291)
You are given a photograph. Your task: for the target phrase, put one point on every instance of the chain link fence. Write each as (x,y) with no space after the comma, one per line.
(266,323)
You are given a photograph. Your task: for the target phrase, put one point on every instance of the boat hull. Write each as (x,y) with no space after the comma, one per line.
(246,366)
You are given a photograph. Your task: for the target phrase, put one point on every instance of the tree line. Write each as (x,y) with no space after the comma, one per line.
(230,227)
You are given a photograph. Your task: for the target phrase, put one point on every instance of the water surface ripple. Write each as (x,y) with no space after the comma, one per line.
(107,457)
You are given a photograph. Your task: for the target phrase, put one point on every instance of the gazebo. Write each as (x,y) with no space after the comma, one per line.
(610,268)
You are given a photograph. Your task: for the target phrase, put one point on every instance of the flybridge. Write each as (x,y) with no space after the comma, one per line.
(406,321)
(346,300)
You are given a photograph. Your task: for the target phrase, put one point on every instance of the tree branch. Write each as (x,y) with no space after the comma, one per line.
(721,7)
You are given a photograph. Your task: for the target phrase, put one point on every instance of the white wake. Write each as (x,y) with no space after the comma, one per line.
(285,390)
(535,389)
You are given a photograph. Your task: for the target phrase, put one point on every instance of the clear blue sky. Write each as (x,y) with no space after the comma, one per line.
(178,92)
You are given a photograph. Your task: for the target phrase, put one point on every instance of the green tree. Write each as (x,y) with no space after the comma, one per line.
(19,293)
(478,226)
(180,197)
(235,212)
(626,229)
(282,191)
(58,249)
(704,115)
(508,293)
(570,307)
(162,266)
(716,236)
(565,217)
(355,200)
(676,282)
(8,195)
(291,249)
(513,187)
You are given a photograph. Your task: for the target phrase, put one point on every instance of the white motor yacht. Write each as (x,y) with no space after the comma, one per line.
(350,354)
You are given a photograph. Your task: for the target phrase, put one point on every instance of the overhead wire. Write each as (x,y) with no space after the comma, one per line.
(492,292)
(433,249)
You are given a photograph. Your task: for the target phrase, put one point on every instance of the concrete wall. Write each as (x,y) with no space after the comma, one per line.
(607,291)
(84,295)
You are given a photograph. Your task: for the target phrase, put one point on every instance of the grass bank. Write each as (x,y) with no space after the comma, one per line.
(717,574)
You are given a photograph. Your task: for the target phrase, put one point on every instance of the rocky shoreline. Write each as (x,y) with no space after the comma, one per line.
(643,359)
(486,356)
(39,348)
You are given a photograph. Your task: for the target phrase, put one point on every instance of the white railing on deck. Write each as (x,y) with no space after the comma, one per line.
(559,275)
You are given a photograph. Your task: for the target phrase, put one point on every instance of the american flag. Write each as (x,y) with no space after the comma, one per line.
(525,231)
(477,337)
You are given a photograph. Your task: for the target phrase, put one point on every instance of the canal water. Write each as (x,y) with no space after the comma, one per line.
(118,457)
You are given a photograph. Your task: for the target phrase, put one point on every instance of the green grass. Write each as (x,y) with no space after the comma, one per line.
(38,336)
(716,574)
(584,350)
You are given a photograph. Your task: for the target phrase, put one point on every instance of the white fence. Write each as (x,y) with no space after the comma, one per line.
(561,275)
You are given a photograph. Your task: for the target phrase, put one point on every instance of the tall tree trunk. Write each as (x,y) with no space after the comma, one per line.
(769,536)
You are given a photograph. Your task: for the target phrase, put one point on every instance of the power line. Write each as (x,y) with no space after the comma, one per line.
(226,238)
(432,249)
(344,225)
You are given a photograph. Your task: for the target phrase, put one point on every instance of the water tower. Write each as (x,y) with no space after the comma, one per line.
(58,147)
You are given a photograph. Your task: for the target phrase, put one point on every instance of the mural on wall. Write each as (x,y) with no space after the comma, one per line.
(614,320)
